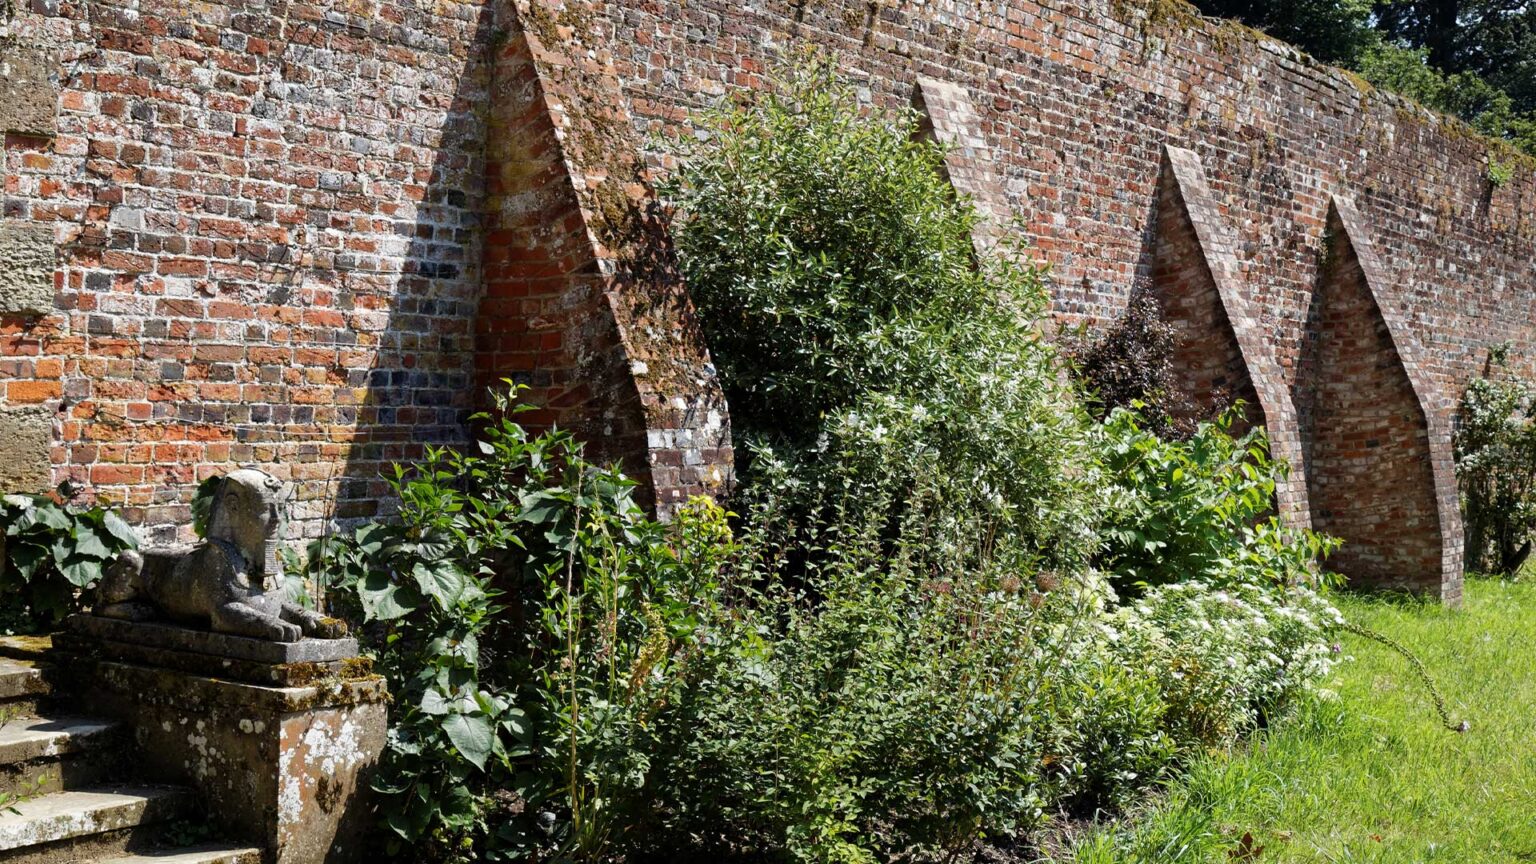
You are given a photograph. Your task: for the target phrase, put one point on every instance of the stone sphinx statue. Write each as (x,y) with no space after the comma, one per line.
(232,582)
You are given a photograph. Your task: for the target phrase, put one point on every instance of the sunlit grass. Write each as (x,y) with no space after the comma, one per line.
(1372,776)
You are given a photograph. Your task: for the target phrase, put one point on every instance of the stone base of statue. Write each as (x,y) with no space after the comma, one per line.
(280,738)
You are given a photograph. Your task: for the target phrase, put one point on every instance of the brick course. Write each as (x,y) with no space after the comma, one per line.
(1220,352)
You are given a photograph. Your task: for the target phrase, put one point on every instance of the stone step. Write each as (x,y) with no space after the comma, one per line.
(32,738)
(25,647)
(26,707)
(86,824)
(197,855)
(21,680)
(39,755)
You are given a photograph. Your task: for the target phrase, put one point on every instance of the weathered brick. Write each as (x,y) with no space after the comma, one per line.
(382,242)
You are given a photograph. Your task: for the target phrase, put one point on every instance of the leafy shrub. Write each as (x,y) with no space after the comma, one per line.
(837,283)
(1495,445)
(917,474)
(1199,509)
(53,552)
(878,708)
(900,650)
(1107,739)
(1130,365)
(527,616)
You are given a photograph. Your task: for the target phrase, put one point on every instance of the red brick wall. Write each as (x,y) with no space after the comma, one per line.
(1368,434)
(268,246)
(1076,102)
(270,220)
(1376,427)
(583,297)
(1207,358)
(271,226)
(1220,349)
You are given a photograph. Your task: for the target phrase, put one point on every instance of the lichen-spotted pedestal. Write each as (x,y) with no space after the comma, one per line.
(279,739)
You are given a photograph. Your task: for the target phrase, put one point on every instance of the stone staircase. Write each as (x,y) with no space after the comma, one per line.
(66,790)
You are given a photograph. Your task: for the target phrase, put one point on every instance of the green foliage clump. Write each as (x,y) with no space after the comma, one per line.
(1495,445)
(1199,509)
(527,616)
(837,282)
(881,703)
(924,494)
(1225,655)
(53,553)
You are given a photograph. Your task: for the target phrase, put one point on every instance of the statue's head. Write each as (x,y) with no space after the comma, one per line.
(247,510)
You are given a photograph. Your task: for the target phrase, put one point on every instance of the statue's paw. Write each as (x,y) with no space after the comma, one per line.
(327,628)
(282,631)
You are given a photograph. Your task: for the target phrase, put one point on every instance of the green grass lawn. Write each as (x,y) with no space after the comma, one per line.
(1372,776)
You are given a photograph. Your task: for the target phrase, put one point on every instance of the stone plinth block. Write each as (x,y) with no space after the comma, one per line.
(28,99)
(27,259)
(255,661)
(285,768)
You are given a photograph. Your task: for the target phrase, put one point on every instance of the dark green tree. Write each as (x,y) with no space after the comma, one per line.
(1493,39)
(1335,31)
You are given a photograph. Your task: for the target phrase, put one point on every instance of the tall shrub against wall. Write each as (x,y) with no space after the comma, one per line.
(836,280)
(1496,464)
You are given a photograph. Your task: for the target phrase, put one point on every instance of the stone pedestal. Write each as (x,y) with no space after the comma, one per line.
(281,739)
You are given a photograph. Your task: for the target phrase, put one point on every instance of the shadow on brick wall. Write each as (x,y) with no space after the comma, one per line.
(420,389)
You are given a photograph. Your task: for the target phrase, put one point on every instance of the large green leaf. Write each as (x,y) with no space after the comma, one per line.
(52,516)
(27,557)
(119,530)
(465,647)
(443,581)
(382,599)
(81,572)
(472,736)
(202,504)
(457,808)
(542,507)
(433,702)
(371,537)
(89,544)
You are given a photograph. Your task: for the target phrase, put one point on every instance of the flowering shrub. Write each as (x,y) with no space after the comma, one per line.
(1496,463)
(860,340)
(879,704)
(932,664)
(901,650)
(1222,656)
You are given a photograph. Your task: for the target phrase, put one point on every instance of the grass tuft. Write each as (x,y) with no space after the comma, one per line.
(1371,774)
